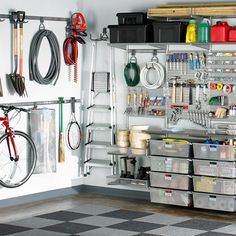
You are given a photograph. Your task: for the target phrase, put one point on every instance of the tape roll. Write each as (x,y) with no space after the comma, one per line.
(213,86)
(228,88)
(219,86)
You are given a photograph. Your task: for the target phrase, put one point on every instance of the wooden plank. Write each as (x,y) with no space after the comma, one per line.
(214,11)
(170,12)
(209,4)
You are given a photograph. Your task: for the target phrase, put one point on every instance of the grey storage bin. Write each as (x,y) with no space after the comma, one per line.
(214,152)
(170,164)
(215,168)
(172,197)
(174,181)
(214,185)
(214,202)
(173,149)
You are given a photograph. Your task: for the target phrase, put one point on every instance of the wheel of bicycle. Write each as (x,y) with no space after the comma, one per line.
(15,173)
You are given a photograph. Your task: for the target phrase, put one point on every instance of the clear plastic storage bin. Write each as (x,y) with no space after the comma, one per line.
(214,185)
(170,164)
(214,152)
(215,168)
(174,181)
(173,149)
(170,196)
(214,202)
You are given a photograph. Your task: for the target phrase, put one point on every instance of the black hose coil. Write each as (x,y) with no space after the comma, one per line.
(55,64)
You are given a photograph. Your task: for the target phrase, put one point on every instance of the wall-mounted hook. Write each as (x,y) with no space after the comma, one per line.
(103,36)
(154,58)
(41,25)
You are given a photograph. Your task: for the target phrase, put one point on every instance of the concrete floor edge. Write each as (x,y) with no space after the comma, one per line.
(124,193)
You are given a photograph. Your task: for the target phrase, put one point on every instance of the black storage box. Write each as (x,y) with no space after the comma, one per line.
(169,32)
(133,18)
(131,33)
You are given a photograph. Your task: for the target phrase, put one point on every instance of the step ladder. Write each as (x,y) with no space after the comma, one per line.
(100,125)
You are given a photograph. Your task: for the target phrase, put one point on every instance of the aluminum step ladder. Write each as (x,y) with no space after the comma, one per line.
(101,125)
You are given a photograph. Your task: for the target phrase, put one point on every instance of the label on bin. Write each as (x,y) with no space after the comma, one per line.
(213,148)
(168,145)
(168,177)
(168,194)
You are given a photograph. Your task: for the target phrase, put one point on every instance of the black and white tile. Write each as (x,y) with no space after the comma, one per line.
(97,220)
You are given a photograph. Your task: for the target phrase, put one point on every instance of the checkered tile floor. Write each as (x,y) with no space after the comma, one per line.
(96,220)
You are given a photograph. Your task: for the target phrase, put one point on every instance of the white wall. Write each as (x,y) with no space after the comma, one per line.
(67,173)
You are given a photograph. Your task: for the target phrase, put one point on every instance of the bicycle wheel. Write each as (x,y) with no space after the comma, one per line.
(15,173)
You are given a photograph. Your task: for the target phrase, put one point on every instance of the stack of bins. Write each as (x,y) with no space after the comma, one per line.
(214,177)
(133,27)
(171,173)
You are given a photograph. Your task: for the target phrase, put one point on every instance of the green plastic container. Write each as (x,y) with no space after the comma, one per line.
(204,31)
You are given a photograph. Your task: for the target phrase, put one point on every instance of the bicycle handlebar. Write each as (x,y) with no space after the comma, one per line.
(10,108)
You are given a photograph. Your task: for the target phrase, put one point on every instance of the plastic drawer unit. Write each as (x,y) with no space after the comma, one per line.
(214,152)
(172,197)
(214,185)
(172,149)
(173,181)
(214,202)
(170,164)
(215,168)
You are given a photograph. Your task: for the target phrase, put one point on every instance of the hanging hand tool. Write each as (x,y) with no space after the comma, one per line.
(135,102)
(198,103)
(128,108)
(140,108)
(181,96)
(174,90)
(20,80)
(61,134)
(190,84)
(17,79)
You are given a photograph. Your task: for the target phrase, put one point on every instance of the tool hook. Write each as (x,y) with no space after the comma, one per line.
(41,25)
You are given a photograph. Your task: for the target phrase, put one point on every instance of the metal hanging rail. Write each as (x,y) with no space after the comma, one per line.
(36,103)
(49,18)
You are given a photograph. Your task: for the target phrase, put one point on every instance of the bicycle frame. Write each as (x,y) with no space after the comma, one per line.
(10,139)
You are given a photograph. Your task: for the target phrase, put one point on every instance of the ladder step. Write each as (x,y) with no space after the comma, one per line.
(99,163)
(98,144)
(99,126)
(99,107)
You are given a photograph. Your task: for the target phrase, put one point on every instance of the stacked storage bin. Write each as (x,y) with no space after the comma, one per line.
(133,27)
(214,177)
(171,170)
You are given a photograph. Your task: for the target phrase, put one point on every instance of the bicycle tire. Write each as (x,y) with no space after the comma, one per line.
(30,152)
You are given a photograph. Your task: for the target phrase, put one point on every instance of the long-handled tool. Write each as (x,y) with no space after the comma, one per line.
(17,79)
(61,134)
(20,80)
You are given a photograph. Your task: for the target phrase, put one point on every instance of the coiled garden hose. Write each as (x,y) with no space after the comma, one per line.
(159,78)
(129,81)
(55,64)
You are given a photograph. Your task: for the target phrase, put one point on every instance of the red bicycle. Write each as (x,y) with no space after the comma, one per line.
(18,154)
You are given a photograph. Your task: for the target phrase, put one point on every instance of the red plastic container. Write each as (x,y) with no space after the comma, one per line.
(220,32)
(232,34)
